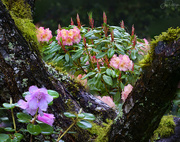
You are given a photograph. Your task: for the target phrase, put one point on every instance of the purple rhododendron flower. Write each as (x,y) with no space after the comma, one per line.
(47,118)
(37,98)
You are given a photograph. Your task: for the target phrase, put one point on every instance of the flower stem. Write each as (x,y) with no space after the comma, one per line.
(60,136)
(14,123)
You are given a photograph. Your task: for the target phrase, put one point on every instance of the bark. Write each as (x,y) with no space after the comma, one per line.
(21,66)
(151,96)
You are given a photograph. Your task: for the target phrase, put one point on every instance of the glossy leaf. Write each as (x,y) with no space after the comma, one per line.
(53,93)
(108,80)
(23,117)
(9,129)
(88,75)
(89,116)
(18,136)
(34,129)
(70,115)
(81,115)
(84,124)
(67,57)
(3,137)
(9,106)
(100,55)
(77,54)
(46,129)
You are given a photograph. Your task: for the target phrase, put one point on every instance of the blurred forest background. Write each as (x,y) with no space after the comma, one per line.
(150,17)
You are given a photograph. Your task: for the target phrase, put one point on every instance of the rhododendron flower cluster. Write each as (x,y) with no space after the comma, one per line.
(126,91)
(68,37)
(122,62)
(83,82)
(108,100)
(46,118)
(44,35)
(36,99)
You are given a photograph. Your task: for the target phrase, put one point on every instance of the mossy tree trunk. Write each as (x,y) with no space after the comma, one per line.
(21,66)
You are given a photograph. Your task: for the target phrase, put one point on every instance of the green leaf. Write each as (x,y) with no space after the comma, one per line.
(100,55)
(88,34)
(18,136)
(119,47)
(59,58)
(34,129)
(9,106)
(110,52)
(69,115)
(108,72)
(53,93)
(133,54)
(81,115)
(88,75)
(9,129)
(25,93)
(108,80)
(89,116)
(84,124)
(77,54)
(117,97)
(67,57)
(23,117)
(3,137)
(46,129)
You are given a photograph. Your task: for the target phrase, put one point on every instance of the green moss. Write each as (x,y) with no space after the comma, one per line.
(169,36)
(165,129)
(101,132)
(20,11)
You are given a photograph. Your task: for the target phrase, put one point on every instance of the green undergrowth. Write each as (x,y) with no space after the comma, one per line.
(101,132)
(165,129)
(20,12)
(168,36)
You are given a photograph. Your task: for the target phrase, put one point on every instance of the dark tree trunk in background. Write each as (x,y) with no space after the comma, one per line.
(21,66)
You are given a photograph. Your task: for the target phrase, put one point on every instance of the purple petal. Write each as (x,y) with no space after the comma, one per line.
(31,111)
(22,104)
(48,98)
(32,89)
(33,103)
(43,104)
(44,90)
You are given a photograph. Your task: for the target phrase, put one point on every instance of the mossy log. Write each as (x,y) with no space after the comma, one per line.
(21,66)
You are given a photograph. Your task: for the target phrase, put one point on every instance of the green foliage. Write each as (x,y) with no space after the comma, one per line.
(92,55)
(165,129)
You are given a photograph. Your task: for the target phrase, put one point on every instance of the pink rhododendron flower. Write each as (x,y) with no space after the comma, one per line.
(44,35)
(108,100)
(125,63)
(68,37)
(46,118)
(145,47)
(37,98)
(122,62)
(126,91)
(114,62)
